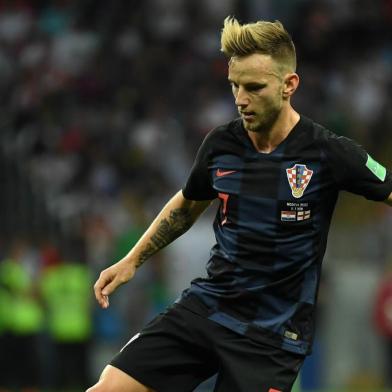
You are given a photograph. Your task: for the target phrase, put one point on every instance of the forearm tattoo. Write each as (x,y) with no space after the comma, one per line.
(178,222)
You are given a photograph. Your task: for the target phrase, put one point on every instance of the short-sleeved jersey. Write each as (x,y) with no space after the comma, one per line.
(272,225)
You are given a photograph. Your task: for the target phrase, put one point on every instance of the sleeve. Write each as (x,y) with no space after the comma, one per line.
(356,171)
(199,184)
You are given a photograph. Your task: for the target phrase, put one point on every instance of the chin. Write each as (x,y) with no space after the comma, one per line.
(261,125)
(253,127)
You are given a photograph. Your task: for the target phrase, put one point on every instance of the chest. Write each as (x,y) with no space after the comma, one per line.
(289,188)
(279,177)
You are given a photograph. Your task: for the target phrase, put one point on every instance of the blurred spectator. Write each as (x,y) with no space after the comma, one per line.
(383,320)
(21,323)
(66,290)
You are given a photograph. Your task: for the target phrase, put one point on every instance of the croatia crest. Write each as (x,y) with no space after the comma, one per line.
(299,177)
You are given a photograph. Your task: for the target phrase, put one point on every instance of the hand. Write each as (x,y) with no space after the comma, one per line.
(110,279)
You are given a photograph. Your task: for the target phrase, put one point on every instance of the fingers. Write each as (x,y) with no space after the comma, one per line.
(101,292)
(109,280)
(105,304)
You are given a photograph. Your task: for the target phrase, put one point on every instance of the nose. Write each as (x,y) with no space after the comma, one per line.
(241,97)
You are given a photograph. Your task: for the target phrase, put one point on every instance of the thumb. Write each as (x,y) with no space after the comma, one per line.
(110,287)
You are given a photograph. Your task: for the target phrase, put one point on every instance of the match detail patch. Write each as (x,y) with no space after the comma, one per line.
(295,211)
(378,170)
(299,177)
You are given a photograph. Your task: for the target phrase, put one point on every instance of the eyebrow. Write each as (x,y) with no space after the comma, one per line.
(276,75)
(250,84)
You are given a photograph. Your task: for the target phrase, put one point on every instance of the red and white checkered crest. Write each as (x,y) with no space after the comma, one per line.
(299,177)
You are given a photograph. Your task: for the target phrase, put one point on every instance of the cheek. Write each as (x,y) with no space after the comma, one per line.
(266,102)
(275,98)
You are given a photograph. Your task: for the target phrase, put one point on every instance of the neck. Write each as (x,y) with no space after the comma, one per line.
(267,140)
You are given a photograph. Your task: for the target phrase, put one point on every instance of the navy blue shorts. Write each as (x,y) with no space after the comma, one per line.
(179,349)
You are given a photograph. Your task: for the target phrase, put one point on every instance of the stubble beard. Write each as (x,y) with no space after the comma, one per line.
(263,122)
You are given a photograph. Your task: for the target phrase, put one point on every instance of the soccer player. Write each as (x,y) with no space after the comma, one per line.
(277,174)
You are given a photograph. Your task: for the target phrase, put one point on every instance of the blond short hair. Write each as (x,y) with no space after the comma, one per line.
(261,37)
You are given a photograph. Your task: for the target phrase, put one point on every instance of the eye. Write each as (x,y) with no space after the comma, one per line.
(255,87)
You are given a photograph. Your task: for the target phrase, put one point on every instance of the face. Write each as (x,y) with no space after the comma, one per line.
(258,89)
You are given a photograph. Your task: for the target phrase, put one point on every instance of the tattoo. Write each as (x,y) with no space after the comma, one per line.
(145,254)
(179,221)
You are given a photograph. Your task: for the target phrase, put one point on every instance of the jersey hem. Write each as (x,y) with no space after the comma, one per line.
(252,331)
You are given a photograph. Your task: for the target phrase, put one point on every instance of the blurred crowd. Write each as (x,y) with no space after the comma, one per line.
(104,105)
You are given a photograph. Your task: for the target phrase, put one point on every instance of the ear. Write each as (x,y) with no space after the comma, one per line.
(290,84)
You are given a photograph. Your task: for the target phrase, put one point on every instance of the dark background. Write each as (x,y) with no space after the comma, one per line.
(103,106)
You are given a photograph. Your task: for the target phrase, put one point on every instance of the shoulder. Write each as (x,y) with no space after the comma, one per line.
(223,136)
(327,139)
(318,131)
(225,131)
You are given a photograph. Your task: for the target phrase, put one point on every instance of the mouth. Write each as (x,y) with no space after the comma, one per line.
(248,116)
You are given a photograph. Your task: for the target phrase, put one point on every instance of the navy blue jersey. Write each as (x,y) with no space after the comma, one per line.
(272,224)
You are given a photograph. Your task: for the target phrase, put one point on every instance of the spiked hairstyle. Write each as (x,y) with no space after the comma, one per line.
(263,37)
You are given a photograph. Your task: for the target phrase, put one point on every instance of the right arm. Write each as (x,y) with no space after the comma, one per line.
(176,217)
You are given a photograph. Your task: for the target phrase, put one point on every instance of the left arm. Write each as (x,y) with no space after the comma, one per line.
(356,171)
(389,200)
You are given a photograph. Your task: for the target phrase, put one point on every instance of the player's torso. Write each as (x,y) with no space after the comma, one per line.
(272,205)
